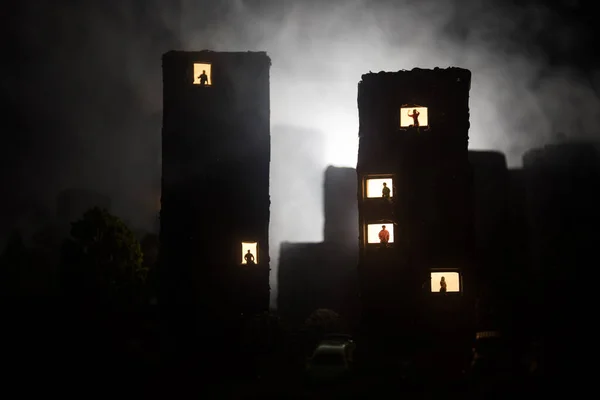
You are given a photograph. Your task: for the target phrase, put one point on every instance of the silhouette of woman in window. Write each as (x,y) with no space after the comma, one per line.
(249,257)
(443,286)
(415,117)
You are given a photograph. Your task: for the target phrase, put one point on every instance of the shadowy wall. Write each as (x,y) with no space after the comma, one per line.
(563,205)
(341,208)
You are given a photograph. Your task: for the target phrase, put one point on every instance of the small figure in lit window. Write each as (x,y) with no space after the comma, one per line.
(384,235)
(385,192)
(415,117)
(443,286)
(203,78)
(249,257)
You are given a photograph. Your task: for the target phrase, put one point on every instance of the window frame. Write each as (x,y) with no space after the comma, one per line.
(210,76)
(386,222)
(367,177)
(405,128)
(450,270)
(243,251)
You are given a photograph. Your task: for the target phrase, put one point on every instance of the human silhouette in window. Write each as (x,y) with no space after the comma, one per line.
(384,235)
(385,192)
(415,117)
(443,286)
(249,257)
(203,78)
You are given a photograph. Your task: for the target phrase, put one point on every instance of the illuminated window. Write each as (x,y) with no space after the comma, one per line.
(374,231)
(379,188)
(249,253)
(413,116)
(202,74)
(447,279)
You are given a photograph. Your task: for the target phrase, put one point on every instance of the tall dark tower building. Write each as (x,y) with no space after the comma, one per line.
(215,183)
(414,196)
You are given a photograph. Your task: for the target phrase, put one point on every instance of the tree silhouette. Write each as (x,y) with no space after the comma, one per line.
(150,245)
(102,259)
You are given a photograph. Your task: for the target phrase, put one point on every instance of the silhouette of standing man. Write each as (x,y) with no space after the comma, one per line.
(249,257)
(415,117)
(385,192)
(203,78)
(443,286)
(384,235)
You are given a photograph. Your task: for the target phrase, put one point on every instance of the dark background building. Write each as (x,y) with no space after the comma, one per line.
(300,217)
(323,275)
(491,228)
(215,186)
(563,198)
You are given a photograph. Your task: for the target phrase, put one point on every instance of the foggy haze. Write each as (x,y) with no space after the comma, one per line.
(320,50)
(101,87)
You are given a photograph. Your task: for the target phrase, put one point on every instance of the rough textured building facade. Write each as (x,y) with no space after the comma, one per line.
(414,136)
(215,182)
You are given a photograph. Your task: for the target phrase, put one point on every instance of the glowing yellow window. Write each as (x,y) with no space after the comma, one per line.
(379,188)
(380,233)
(249,253)
(413,116)
(202,74)
(445,282)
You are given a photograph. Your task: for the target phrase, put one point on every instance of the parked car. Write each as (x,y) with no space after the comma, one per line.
(342,339)
(332,360)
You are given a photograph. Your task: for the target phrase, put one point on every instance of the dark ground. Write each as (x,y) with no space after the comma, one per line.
(370,382)
(71,354)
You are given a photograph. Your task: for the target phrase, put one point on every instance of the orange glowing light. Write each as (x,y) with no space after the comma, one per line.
(374,229)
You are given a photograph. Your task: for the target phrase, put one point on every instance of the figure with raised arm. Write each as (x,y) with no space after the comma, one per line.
(415,116)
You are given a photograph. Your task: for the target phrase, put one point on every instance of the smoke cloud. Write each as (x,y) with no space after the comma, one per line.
(97,85)
(319,52)
(87,80)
